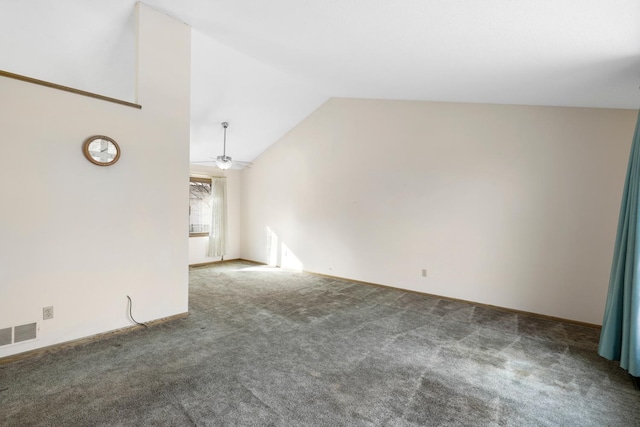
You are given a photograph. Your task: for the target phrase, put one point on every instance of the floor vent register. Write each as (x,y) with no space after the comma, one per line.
(18,334)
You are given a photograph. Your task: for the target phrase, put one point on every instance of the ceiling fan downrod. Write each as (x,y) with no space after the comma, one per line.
(225,125)
(224,162)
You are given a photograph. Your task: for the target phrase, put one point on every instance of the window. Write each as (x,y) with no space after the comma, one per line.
(200,203)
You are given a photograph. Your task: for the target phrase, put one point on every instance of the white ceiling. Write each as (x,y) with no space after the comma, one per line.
(263,65)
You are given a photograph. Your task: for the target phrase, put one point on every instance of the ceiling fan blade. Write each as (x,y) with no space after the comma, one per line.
(235,164)
(238,165)
(243,164)
(225,162)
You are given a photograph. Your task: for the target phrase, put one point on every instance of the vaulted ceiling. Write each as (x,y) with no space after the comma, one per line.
(263,65)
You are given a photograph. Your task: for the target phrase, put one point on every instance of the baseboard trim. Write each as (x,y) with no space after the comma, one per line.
(211,263)
(495,307)
(254,262)
(81,341)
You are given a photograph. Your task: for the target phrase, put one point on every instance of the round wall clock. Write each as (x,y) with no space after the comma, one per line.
(101,150)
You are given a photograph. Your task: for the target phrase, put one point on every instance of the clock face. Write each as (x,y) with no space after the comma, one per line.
(101,150)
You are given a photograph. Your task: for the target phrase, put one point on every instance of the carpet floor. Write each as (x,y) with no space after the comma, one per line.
(266,347)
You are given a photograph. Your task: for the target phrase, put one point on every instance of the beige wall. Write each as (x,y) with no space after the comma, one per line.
(514,206)
(81,237)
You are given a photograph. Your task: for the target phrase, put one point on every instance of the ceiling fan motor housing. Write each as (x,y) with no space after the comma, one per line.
(224,162)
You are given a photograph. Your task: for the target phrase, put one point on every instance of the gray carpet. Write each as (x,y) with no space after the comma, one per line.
(263,347)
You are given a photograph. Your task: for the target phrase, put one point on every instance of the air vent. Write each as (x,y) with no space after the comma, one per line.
(25,332)
(5,336)
(17,334)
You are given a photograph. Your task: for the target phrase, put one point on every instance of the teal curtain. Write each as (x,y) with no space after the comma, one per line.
(620,335)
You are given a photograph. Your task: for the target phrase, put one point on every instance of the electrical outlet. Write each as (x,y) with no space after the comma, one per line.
(47,313)
(424,272)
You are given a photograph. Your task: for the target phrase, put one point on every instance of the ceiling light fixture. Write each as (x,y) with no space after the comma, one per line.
(224,162)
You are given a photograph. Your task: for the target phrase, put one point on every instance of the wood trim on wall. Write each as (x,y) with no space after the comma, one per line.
(87,340)
(198,234)
(211,263)
(68,89)
(496,307)
(200,179)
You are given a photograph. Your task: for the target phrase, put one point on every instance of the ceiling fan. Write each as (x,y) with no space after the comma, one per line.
(225,162)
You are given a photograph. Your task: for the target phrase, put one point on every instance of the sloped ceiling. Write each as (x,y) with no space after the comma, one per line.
(264,65)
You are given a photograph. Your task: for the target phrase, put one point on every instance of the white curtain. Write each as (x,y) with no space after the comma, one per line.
(218,233)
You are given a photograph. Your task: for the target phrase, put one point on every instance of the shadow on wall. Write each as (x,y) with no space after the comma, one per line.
(279,254)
